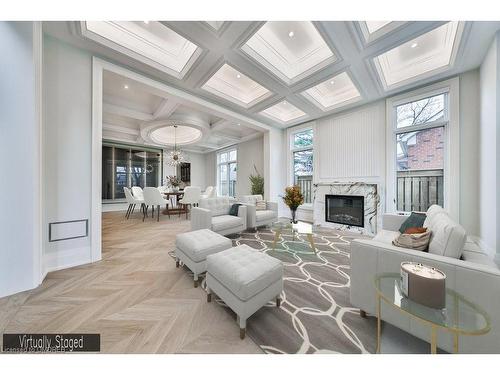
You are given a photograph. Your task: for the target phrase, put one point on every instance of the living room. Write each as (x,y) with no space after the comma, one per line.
(244,186)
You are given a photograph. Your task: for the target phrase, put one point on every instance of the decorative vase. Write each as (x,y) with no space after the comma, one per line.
(294,214)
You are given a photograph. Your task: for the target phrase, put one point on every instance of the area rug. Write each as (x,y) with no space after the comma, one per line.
(315,314)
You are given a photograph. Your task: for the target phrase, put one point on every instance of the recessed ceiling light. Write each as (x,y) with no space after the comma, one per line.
(291,34)
(125,87)
(238,124)
(414,45)
(332,82)
(146,22)
(284,102)
(238,75)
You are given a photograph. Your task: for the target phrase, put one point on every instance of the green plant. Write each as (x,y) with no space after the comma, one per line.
(257,183)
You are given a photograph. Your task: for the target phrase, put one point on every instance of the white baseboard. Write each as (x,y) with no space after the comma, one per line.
(62,259)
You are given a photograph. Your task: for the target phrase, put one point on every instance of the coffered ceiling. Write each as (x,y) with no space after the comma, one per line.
(283,73)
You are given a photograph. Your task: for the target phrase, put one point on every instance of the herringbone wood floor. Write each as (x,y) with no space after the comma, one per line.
(135,297)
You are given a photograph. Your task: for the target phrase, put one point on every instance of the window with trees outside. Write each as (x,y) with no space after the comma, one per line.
(419,134)
(227,172)
(302,162)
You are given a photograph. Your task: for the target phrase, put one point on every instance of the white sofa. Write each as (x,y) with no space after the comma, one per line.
(475,276)
(213,214)
(262,217)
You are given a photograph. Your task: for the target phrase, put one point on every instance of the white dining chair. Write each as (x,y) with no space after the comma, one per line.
(132,202)
(153,197)
(137,192)
(191,197)
(209,192)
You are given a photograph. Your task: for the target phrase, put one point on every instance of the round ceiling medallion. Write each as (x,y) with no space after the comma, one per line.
(184,135)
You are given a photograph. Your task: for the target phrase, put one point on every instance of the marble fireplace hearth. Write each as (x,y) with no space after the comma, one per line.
(372,204)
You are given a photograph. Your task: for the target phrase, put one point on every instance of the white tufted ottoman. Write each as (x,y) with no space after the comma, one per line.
(192,248)
(245,279)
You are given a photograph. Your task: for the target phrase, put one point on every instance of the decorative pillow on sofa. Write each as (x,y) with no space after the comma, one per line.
(415,230)
(416,241)
(260,205)
(233,211)
(416,219)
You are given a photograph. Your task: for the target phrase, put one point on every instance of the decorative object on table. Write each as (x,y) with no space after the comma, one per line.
(423,284)
(256,183)
(175,157)
(260,205)
(173,182)
(233,211)
(293,198)
(416,219)
(415,240)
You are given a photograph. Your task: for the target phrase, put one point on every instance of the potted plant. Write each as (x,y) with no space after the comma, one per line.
(293,198)
(173,182)
(257,183)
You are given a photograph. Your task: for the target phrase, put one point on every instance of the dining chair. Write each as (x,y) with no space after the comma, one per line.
(153,197)
(191,197)
(132,201)
(137,192)
(209,192)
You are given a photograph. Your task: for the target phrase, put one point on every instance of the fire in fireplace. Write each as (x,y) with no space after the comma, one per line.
(345,209)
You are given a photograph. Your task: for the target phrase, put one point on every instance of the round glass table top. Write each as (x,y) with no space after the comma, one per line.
(459,315)
(286,225)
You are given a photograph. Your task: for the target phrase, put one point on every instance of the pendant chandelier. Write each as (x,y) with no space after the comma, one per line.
(175,156)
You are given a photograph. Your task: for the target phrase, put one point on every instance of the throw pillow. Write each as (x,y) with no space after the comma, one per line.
(415,230)
(418,241)
(416,219)
(233,211)
(260,205)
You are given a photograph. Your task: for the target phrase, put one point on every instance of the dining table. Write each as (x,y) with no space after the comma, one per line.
(178,208)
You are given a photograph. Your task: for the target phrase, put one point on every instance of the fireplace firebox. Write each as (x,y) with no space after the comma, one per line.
(345,209)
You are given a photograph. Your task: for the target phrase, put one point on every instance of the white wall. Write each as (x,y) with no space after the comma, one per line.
(198,176)
(489,150)
(250,153)
(275,168)
(67,148)
(20,151)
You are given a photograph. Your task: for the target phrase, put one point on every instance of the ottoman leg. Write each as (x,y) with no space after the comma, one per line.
(196,280)
(243,327)
(278,302)
(177,263)
(209,295)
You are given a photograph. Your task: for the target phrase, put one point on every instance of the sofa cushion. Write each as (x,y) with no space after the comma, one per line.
(478,258)
(448,237)
(251,199)
(217,206)
(386,236)
(244,271)
(198,244)
(223,222)
(432,213)
(415,241)
(260,205)
(265,215)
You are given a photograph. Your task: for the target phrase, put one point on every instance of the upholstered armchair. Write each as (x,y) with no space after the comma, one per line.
(257,218)
(213,214)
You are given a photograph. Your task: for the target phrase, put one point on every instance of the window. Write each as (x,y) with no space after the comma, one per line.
(302,162)
(419,136)
(226,173)
(125,166)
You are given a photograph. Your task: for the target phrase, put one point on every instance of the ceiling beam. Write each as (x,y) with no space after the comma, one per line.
(165,109)
(126,112)
(120,129)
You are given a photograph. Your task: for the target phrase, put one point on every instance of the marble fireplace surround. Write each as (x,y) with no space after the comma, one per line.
(372,204)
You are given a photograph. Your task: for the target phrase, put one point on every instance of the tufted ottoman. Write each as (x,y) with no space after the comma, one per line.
(245,279)
(192,248)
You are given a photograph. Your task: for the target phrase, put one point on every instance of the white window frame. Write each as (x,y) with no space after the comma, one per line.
(451,176)
(227,163)
(292,149)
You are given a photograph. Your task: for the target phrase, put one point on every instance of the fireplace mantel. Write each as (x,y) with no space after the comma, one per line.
(372,204)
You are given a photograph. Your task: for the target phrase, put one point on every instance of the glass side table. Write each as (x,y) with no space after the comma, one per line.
(459,317)
(284,226)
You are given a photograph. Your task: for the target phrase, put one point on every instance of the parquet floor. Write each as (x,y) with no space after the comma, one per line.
(135,297)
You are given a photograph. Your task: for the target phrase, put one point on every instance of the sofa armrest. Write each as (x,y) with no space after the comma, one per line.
(393,221)
(273,206)
(251,215)
(201,218)
(242,212)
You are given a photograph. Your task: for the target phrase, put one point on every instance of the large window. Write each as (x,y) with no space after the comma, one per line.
(126,166)
(226,172)
(302,162)
(419,135)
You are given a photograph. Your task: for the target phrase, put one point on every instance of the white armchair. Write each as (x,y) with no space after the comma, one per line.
(262,217)
(213,214)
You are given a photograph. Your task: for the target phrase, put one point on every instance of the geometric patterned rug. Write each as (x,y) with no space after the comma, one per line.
(315,314)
